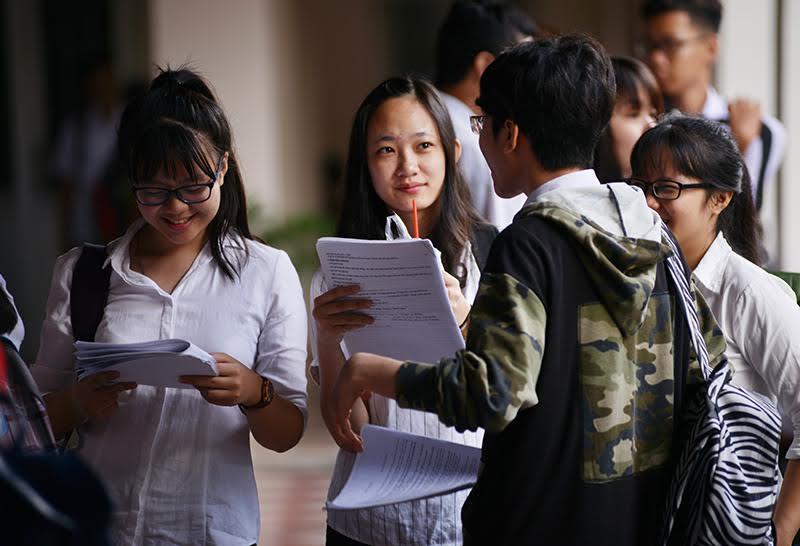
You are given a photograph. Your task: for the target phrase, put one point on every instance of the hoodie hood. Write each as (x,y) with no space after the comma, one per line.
(619,241)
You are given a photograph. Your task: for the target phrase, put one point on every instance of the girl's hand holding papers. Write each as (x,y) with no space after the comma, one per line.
(457,300)
(336,316)
(336,313)
(96,396)
(235,384)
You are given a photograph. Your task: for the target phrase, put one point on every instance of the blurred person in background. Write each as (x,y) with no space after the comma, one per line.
(471,36)
(681,47)
(85,161)
(638,104)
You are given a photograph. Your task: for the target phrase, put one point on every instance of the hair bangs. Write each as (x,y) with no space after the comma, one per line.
(629,89)
(172,149)
(667,147)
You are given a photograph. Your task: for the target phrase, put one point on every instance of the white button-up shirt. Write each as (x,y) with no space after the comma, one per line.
(760,318)
(178,469)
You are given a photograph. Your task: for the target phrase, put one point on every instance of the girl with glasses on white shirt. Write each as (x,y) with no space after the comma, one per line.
(692,174)
(176,462)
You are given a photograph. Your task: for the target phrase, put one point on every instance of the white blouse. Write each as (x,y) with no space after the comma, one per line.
(760,318)
(430,521)
(177,468)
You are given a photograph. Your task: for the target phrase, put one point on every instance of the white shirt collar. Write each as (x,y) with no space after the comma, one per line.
(712,265)
(120,259)
(579,179)
(715,106)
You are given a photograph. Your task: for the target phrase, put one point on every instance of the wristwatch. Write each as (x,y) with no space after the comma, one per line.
(267,394)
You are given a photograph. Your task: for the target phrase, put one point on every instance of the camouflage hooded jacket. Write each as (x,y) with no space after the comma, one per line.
(576,357)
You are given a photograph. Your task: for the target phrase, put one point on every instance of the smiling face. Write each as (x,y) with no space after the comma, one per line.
(405,157)
(175,222)
(692,217)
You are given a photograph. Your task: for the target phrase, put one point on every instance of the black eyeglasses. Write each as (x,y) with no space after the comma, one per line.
(152,196)
(665,189)
(476,123)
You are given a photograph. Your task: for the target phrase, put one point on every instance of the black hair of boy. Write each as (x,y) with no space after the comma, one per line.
(473,26)
(703,13)
(560,93)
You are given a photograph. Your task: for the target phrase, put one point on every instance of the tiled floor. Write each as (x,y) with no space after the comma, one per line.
(292,486)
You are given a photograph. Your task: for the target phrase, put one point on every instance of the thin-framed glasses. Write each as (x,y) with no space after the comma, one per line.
(192,194)
(664,189)
(476,123)
(668,47)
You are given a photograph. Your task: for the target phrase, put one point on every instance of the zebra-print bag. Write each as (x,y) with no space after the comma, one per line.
(724,484)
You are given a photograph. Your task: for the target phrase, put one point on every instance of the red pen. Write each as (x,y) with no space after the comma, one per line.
(416,223)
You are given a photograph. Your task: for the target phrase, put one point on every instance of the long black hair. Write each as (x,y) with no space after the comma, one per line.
(632,78)
(177,124)
(705,150)
(364,213)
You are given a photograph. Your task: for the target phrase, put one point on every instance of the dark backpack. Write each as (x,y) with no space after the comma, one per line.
(89,292)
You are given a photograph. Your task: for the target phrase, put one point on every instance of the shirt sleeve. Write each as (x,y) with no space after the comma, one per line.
(495,377)
(768,316)
(53,369)
(282,343)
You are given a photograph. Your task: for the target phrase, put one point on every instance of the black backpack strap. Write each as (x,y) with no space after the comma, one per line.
(766,148)
(481,239)
(89,292)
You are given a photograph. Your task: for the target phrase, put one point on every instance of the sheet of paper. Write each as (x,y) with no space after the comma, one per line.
(398,467)
(161,371)
(160,345)
(403,278)
(158,363)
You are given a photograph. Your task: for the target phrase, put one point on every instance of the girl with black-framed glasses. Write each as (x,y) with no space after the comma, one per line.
(695,178)
(176,461)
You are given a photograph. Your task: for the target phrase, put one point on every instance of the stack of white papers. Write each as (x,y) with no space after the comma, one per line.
(158,363)
(398,467)
(403,278)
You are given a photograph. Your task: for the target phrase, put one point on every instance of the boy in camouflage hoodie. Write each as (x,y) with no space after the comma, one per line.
(577,357)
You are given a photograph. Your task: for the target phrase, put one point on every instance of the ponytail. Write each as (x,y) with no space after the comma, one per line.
(739,222)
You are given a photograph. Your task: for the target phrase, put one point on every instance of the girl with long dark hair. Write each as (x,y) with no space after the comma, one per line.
(694,177)
(402,149)
(176,462)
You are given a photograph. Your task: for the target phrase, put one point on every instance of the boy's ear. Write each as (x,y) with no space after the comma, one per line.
(481,61)
(712,46)
(511,139)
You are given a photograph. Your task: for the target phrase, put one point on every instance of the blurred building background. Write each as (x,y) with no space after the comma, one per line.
(290,74)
